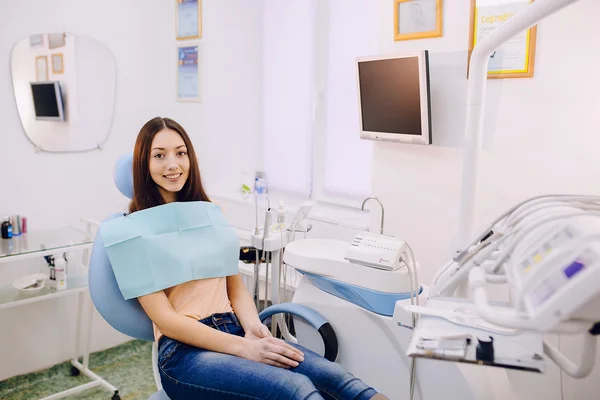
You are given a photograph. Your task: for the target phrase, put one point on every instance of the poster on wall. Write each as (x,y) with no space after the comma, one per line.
(515,58)
(188,74)
(189,19)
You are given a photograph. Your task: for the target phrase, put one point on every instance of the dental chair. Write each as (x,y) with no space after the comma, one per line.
(128,316)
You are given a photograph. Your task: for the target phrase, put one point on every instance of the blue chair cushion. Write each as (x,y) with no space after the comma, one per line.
(126,316)
(123,175)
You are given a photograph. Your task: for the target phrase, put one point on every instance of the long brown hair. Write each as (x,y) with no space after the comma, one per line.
(145,190)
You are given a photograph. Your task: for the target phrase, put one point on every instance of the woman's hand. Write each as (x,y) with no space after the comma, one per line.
(258,331)
(272,351)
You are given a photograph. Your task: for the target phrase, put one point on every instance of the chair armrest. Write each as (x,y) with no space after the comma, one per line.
(315,319)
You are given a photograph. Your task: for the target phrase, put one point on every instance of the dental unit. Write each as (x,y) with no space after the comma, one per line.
(362,304)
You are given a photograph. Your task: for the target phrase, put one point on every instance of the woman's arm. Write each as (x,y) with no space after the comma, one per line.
(267,350)
(185,329)
(242,302)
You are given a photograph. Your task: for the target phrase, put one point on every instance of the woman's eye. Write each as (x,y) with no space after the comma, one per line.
(182,153)
(158,155)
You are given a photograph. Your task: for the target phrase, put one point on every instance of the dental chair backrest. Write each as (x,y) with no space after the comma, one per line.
(126,316)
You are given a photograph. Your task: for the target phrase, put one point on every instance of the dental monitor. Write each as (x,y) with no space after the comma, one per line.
(393,98)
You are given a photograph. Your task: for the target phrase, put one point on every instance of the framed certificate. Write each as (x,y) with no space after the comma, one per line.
(41,68)
(189,19)
(56,40)
(57,64)
(188,74)
(515,58)
(417,19)
(36,40)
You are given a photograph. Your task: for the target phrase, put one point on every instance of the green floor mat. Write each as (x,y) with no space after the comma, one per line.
(128,367)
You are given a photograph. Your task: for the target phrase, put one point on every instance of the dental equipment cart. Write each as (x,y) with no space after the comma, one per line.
(37,245)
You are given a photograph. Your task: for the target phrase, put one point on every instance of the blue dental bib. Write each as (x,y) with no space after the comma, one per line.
(164,246)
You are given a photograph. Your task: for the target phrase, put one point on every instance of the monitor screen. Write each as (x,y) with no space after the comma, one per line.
(394,98)
(47,100)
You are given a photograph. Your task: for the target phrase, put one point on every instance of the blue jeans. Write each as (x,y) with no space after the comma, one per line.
(188,372)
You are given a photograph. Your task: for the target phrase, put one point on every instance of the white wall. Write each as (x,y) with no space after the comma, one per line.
(56,189)
(540,137)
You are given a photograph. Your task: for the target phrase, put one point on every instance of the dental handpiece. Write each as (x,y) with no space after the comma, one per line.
(266,227)
(256,230)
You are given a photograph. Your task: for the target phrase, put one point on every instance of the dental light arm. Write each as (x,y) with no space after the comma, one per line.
(478,67)
(548,247)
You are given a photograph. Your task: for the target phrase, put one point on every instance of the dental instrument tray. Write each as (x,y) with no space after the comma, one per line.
(439,334)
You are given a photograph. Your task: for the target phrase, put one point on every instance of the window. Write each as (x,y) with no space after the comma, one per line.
(311,140)
(353,31)
(288,94)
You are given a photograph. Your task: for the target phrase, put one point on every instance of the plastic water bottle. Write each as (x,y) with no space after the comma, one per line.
(260,183)
(257,188)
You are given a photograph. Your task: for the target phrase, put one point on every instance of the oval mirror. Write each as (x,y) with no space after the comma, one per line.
(65,91)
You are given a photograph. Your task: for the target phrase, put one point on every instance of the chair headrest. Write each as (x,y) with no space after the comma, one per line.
(123,175)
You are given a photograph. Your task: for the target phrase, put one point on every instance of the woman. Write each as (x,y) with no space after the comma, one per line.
(211,342)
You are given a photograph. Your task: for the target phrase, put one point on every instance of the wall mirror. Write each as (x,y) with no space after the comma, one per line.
(65,91)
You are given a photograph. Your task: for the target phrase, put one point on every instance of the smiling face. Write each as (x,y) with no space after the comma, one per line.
(169,163)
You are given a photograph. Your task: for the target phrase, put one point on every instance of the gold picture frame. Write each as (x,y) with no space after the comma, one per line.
(417,19)
(58,66)
(41,68)
(188,20)
(527,50)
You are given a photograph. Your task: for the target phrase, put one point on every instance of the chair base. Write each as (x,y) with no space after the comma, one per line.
(160,395)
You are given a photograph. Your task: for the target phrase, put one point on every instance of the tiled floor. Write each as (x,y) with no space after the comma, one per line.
(128,367)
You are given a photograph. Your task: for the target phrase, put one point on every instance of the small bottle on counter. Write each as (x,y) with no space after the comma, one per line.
(281,216)
(60,267)
(6,228)
(15,221)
